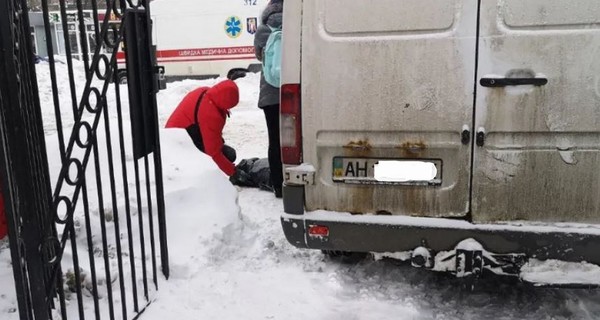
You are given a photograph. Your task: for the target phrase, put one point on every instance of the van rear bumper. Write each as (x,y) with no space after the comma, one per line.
(404,234)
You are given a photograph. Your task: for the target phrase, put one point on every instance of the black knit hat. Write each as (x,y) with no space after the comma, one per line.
(236,73)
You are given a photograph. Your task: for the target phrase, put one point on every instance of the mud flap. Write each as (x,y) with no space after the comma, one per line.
(293,199)
(295,232)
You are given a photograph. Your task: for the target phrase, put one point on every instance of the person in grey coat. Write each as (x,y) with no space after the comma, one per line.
(268,99)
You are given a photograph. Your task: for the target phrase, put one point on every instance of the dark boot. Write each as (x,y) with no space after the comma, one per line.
(272,118)
(278,192)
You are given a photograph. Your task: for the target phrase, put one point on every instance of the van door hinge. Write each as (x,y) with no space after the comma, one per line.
(480,139)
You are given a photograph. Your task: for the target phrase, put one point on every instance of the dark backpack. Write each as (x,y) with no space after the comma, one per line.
(194,129)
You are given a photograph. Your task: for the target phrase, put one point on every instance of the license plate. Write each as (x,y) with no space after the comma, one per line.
(387,171)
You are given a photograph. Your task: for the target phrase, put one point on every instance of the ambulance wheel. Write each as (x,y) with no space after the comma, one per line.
(122,77)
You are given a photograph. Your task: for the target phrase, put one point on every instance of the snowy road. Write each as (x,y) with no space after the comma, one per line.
(230,269)
(250,272)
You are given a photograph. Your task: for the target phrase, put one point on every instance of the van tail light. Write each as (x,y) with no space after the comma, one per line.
(318,231)
(291,124)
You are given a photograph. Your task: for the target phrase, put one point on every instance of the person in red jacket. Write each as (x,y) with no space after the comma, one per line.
(203,113)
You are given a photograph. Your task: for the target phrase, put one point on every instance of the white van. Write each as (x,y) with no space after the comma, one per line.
(487,113)
(204,38)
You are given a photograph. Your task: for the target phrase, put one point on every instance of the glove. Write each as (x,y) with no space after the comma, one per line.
(240,178)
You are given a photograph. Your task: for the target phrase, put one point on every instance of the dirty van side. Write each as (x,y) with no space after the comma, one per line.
(499,102)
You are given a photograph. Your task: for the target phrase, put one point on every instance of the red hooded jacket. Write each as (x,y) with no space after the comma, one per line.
(212,114)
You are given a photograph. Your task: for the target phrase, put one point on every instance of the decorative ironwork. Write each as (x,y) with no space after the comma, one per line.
(92,200)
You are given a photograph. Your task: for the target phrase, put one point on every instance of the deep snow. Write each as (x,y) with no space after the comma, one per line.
(230,260)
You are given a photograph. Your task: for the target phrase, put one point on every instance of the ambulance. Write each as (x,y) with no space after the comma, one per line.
(205,38)
(193,38)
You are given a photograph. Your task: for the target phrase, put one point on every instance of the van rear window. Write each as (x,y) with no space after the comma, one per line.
(551,13)
(384,16)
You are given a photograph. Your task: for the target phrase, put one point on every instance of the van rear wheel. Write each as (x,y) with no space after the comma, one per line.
(345,256)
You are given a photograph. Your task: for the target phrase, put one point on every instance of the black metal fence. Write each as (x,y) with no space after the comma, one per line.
(80,163)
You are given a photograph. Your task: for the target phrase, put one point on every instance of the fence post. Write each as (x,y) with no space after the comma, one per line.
(24,173)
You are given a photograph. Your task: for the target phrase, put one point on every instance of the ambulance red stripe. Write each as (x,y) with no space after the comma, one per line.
(201,54)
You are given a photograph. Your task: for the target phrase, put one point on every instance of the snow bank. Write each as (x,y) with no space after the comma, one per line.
(8,299)
(560,272)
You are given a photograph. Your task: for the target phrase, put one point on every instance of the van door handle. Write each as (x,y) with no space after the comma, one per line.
(465,136)
(480,137)
(504,82)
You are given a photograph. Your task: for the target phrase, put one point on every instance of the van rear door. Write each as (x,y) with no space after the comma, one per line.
(388,80)
(539,157)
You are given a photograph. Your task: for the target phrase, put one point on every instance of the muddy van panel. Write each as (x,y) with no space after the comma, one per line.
(501,97)
(541,153)
(350,58)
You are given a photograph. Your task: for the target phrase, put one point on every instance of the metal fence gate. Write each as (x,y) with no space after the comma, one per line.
(80,163)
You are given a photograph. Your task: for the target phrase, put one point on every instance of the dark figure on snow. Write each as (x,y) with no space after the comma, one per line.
(268,100)
(203,113)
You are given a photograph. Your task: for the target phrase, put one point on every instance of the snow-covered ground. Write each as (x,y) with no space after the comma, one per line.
(230,260)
